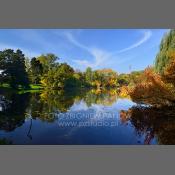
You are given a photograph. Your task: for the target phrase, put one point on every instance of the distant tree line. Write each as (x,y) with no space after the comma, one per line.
(19,71)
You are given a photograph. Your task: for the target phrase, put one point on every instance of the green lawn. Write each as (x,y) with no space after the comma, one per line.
(33,87)
(4,85)
(36,86)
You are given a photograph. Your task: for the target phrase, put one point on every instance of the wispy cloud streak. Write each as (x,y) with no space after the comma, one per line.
(146,35)
(100,56)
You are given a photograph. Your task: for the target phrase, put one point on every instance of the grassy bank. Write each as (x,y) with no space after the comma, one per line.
(32,88)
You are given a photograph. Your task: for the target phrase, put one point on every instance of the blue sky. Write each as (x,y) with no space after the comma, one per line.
(119,49)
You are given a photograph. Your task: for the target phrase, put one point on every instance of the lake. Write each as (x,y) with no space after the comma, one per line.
(82,117)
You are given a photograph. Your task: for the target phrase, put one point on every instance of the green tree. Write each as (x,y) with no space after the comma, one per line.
(169,71)
(48,61)
(167,44)
(58,77)
(88,75)
(27,64)
(36,70)
(13,66)
(80,79)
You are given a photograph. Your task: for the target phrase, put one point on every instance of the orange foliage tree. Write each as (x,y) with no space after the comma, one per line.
(151,89)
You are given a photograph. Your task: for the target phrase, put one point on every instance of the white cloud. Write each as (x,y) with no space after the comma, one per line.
(99,55)
(102,58)
(70,37)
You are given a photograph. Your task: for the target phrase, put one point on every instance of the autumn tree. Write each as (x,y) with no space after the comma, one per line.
(134,77)
(158,87)
(101,78)
(152,90)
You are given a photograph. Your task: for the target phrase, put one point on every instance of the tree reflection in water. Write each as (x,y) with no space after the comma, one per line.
(152,122)
(49,103)
(13,115)
(148,122)
(45,105)
(104,97)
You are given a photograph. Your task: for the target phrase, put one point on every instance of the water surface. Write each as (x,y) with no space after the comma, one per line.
(81,117)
